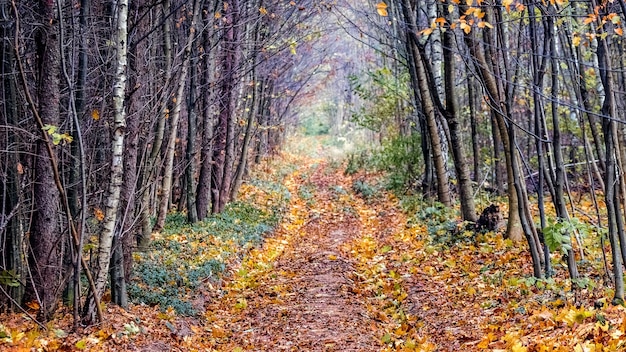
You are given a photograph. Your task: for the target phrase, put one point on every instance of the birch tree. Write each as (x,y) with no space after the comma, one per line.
(117,156)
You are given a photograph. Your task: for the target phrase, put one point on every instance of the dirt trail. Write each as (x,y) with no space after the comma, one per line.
(308,298)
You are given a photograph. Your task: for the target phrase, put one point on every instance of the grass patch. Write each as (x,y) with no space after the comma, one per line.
(184,256)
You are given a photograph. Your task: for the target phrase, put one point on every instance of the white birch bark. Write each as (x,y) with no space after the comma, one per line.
(117,147)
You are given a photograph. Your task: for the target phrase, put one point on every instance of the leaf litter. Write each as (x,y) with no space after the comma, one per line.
(345,272)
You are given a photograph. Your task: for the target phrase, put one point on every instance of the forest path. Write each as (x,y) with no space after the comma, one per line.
(304,289)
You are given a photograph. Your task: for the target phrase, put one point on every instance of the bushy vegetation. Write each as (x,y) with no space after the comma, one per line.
(184,256)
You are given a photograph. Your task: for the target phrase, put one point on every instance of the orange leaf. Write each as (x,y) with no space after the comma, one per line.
(34,305)
(95,114)
(98,214)
(381,8)
(426,31)
(619,31)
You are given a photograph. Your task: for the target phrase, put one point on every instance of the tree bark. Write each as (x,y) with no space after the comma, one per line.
(149,173)
(428,106)
(496,99)
(192,130)
(47,251)
(168,170)
(224,138)
(451,113)
(117,156)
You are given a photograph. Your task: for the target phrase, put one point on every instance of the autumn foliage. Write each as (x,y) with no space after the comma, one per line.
(344,271)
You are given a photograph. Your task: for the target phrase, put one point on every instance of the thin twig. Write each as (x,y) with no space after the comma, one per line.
(22,308)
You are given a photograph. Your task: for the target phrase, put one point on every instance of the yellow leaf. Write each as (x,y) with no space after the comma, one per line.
(81,344)
(466,28)
(486,340)
(218,15)
(263,11)
(507,4)
(577,316)
(518,347)
(95,114)
(381,8)
(242,303)
(426,31)
(576,40)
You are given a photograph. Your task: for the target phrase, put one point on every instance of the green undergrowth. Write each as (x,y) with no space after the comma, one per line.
(183,257)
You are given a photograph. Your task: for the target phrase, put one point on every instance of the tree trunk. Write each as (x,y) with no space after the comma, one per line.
(11,198)
(611,196)
(192,128)
(149,173)
(47,250)
(428,106)
(477,175)
(168,169)
(224,138)
(497,100)
(451,113)
(560,178)
(117,155)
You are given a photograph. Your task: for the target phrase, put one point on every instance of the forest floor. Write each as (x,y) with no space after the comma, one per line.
(350,269)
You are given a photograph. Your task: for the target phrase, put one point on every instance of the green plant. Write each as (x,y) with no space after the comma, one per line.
(187,255)
(363,189)
(442,225)
(400,157)
(558,233)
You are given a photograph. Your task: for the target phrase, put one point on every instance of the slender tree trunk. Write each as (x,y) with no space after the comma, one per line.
(175,116)
(192,122)
(149,173)
(224,132)
(451,113)
(443,190)
(12,224)
(497,100)
(559,199)
(117,157)
(611,196)
(538,67)
(477,177)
